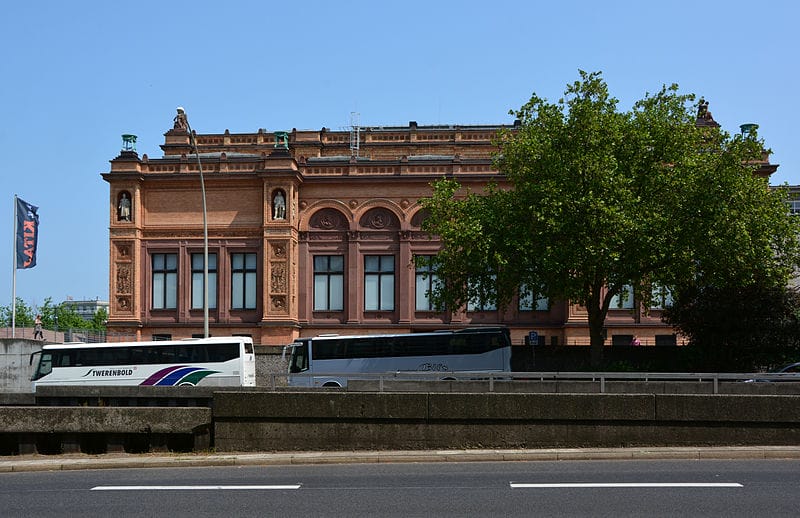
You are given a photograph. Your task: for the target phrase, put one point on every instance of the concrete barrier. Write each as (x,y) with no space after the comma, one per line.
(316,420)
(257,420)
(101,429)
(15,369)
(88,395)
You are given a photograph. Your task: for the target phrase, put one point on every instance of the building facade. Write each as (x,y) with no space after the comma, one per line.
(86,309)
(309,232)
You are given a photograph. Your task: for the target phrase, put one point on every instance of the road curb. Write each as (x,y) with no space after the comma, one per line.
(28,463)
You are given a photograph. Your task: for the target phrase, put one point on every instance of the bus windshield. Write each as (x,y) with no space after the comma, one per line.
(298,361)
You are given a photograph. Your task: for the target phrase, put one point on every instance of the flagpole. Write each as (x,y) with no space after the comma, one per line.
(14,276)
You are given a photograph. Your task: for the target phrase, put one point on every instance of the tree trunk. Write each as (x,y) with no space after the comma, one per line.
(597,319)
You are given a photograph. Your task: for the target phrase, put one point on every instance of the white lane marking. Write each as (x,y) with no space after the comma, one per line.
(628,484)
(192,488)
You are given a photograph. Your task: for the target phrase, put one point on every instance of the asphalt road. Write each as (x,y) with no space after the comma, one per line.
(573,488)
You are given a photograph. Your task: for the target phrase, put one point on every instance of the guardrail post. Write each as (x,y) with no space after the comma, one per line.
(602,384)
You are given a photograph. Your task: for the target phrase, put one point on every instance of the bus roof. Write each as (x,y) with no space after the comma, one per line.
(465,330)
(156,343)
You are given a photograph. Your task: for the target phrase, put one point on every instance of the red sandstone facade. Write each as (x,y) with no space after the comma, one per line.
(354,209)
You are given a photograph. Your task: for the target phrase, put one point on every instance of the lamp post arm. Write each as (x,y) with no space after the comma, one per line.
(193,141)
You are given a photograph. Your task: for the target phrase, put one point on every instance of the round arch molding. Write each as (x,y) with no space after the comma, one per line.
(419,216)
(328,218)
(379,218)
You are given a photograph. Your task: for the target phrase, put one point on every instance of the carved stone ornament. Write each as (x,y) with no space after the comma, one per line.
(278,303)
(328,219)
(380,219)
(279,250)
(123,304)
(278,278)
(123,279)
(123,251)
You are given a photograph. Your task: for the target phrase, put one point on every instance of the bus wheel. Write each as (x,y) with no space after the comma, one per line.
(186,384)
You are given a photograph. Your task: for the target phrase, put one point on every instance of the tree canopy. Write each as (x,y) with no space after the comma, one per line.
(61,316)
(738,328)
(593,199)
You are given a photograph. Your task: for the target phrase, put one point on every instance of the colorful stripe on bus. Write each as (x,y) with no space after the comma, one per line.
(178,375)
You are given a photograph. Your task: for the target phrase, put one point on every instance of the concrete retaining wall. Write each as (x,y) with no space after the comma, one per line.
(256,420)
(15,371)
(56,430)
(344,421)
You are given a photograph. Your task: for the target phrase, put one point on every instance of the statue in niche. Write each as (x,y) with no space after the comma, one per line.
(124,208)
(278,206)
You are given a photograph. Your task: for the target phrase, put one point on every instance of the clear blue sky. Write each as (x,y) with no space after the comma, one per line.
(77,75)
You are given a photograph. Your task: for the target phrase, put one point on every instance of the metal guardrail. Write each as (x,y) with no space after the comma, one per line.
(281,379)
(68,335)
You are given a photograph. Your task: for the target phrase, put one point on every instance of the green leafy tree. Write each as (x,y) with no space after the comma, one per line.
(738,328)
(68,318)
(596,199)
(99,320)
(24,316)
(48,311)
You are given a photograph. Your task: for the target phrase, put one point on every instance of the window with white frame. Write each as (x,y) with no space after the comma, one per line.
(379,282)
(244,270)
(165,281)
(426,282)
(197,281)
(328,282)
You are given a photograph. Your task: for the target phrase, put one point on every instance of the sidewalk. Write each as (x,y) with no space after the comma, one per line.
(23,463)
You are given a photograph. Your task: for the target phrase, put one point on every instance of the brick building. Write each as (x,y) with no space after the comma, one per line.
(309,232)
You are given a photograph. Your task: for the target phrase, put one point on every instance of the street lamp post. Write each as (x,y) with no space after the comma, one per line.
(193,140)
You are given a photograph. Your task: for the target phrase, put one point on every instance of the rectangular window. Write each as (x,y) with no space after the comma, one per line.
(165,281)
(482,302)
(379,282)
(243,281)
(328,282)
(197,281)
(662,297)
(426,281)
(624,299)
(529,301)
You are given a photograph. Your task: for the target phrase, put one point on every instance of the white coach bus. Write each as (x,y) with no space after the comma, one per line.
(223,361)
(329,361)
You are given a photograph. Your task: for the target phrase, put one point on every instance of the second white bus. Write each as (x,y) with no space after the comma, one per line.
(329,361)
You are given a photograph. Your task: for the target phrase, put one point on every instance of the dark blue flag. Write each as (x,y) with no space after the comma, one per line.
(27,234)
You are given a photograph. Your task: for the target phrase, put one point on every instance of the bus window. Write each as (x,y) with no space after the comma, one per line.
(45,365)
(299,358)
